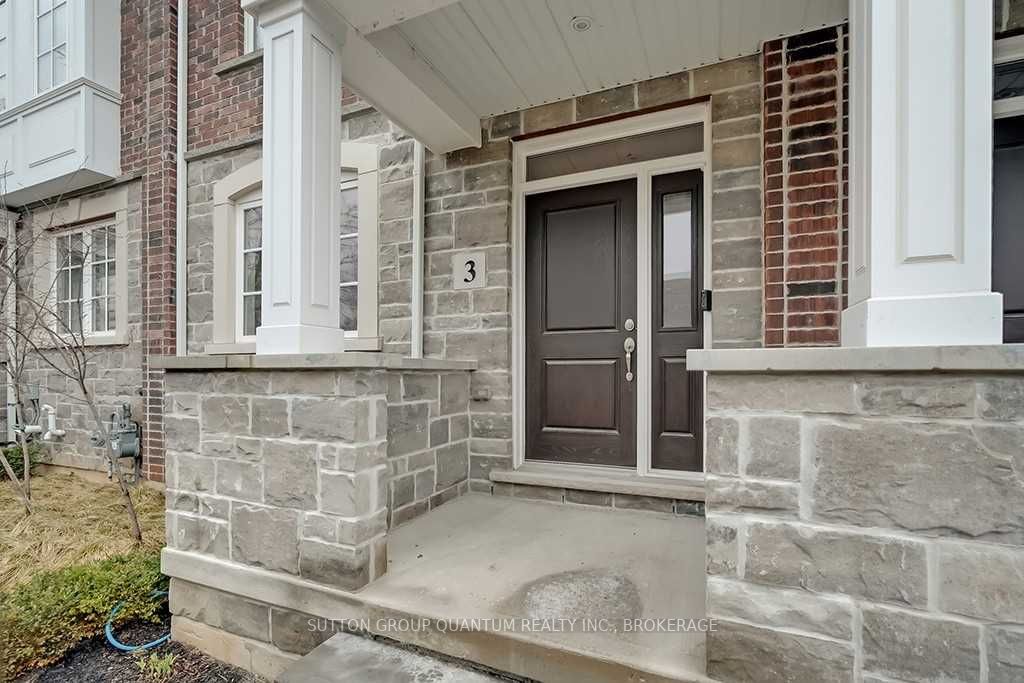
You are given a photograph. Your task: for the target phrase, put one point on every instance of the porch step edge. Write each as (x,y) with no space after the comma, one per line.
(634,485)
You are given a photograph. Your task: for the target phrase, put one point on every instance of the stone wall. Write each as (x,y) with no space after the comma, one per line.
(115,370)
(301,471)
(866,526)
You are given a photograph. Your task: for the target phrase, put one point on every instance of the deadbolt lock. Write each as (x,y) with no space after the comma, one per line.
(630,325)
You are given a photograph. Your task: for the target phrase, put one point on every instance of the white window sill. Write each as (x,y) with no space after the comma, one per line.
(90,341)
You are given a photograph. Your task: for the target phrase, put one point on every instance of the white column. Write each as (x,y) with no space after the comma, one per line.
(302,41)
(921,175)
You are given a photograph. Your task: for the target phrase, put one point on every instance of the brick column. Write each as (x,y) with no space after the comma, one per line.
(804,187)
(149,145)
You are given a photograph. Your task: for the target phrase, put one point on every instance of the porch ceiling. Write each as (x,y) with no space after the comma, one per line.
(478,58)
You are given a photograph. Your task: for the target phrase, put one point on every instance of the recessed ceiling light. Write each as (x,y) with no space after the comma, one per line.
(581,23)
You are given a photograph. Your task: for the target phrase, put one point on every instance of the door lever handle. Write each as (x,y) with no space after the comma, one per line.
(630,346)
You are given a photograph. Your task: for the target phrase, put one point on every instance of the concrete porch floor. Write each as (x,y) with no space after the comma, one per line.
(487,557)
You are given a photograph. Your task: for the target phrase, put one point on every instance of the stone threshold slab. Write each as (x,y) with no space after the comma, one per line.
(312,361)
(629,484)
(496,650)
(996,358)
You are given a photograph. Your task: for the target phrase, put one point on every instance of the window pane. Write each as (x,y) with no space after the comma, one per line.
(253,276)
(60,24)
(44,27)
(111,267)
(76,316)
(99,280)
(349,211)
(44,67)
(677,261)
(348,307)
(99,315)
(77,249)
(253,238)
(99,245)
(111,243)
(349,259)
(1009,80)
(62,313)
(76,283)
(251,314)
(644,147)
(111,313)
(63,288)
(45,5)
(60,65)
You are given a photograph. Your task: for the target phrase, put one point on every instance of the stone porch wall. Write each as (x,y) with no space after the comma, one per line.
(866,527)
(303,471)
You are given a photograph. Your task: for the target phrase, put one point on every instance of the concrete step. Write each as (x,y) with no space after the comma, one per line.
(347,658)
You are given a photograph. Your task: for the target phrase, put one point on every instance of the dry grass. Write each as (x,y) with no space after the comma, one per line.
(74,521)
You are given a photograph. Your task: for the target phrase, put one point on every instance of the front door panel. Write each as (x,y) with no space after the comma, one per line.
(676,400)
(580,290)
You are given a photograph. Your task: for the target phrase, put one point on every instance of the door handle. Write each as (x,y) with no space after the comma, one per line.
(630,346)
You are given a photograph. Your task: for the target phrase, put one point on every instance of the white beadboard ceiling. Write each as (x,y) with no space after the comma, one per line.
(505,55)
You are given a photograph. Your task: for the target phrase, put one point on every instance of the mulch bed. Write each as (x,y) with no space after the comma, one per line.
(95,661)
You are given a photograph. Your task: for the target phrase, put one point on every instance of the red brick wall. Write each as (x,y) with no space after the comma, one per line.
(148,146)
(227,106)
(804,187)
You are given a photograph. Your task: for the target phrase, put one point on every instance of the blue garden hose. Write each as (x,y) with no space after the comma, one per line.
(108,629)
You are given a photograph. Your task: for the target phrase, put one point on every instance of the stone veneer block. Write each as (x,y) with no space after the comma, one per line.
(269,417)
(982,581)
(935,479)
(874,567)
(407,428)
(1001,398)
(782,393)
(728,494)
(914,647)
(1005,647)
(290,474)
(221,610)
(290,631)
(265,537)
(781,609)
(746,654)
(941,396)
(773,447)
(721,451)
(327,419)
(335,565)
(181,434)
(722,546)
(198,534)
(225,414)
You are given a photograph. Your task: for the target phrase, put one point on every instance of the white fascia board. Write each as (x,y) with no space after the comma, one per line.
(388,73)
(368,17)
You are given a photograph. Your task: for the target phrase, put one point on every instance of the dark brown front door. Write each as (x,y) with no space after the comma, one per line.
(1008,224)
(580,290)
(676,405)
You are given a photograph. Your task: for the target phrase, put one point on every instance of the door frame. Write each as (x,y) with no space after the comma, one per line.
(643,172)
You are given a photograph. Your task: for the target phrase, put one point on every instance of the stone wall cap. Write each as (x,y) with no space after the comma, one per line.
(348,359)
(995,358)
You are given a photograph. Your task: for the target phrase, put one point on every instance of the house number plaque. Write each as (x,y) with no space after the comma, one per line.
(469,270)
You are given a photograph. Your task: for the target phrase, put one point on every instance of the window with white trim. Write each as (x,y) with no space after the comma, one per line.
(51,44)
(85,285)
(250,269)
(349,294)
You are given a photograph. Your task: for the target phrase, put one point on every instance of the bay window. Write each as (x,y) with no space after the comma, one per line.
(51,44)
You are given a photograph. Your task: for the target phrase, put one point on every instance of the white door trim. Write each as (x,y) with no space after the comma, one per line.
(642,172)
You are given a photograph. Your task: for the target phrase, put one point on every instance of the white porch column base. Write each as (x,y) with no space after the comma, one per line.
(302,45)
(943,319)
(921,175)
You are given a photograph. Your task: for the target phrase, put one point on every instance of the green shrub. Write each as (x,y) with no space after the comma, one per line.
(13,455)
(44,618)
